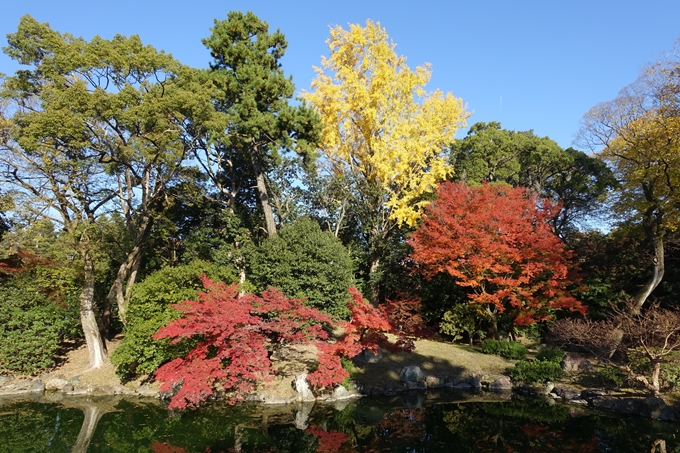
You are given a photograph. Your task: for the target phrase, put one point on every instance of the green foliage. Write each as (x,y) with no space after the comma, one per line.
(30,330)
(348,366)
(550,354)
(150,309)
(37,312)
(611,376)
(670,373)
(507,349)
(532,371)
(305,262)
(462,320)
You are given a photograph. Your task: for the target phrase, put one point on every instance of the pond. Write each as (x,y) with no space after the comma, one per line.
(405,423)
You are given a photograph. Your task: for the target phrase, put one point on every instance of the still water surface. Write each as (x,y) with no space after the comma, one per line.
(401,424)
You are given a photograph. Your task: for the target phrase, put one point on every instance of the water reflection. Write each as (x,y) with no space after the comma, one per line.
(406,423)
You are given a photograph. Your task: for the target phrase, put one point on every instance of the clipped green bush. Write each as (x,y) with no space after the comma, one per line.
(305,263)
(533,371)
(150,309)
(550,354)
(506,349)
(611,377)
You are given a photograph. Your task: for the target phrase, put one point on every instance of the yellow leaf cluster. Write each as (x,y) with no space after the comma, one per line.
(379,121)
(646,155)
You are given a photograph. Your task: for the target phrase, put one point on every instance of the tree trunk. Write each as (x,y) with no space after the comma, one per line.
(374,281)
(656,238)
(116,293)
(263,196)
(494,323)
(654,233)
(119,293)
(93,339)
(656,372)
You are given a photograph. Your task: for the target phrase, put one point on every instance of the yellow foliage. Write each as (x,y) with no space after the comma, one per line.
(646,155)
(379,121)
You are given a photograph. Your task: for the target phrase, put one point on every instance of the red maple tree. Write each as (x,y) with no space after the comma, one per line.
(496,240)
(234,335)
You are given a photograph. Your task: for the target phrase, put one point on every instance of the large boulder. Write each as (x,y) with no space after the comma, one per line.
(656,408)
(368,356)
(411,374)
(630,406)
(573,362)
(568,393)
(301,386)
(56,383)
(500,384)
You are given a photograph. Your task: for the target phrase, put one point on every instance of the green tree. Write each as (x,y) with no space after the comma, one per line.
(489,154)
(305,263)
(254,94)
(95,124)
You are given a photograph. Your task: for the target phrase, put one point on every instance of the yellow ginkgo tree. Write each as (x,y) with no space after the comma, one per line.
(382,130)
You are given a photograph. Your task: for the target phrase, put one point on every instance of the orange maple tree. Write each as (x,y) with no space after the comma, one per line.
(497,241)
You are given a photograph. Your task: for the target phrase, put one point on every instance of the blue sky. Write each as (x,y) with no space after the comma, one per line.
(530,64)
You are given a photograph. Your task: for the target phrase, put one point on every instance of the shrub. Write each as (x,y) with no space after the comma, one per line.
(38,309)
(550,354)
(671,373)
(151,308)
(463,319)
(611,376)
(532,371)
(305,263)
(507,349)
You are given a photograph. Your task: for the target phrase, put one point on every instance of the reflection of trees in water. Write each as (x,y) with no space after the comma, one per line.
(93,412)
(517,426)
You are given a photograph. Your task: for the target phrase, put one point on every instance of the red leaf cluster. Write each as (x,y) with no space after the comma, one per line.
(329,441)
(367,329)
(497,241)
(234,333)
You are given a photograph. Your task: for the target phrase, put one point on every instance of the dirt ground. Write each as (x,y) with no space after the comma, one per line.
(75,363)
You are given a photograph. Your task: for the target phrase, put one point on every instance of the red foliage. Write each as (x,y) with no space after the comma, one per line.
(166,447)
(329,441)
(496,240)
(234,334)
(367,329)
(22,261)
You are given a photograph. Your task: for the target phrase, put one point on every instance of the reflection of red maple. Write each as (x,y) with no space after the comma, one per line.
(329,441)
(166,447)
(497,241)
(542,439)
(234,334)
(404,423)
